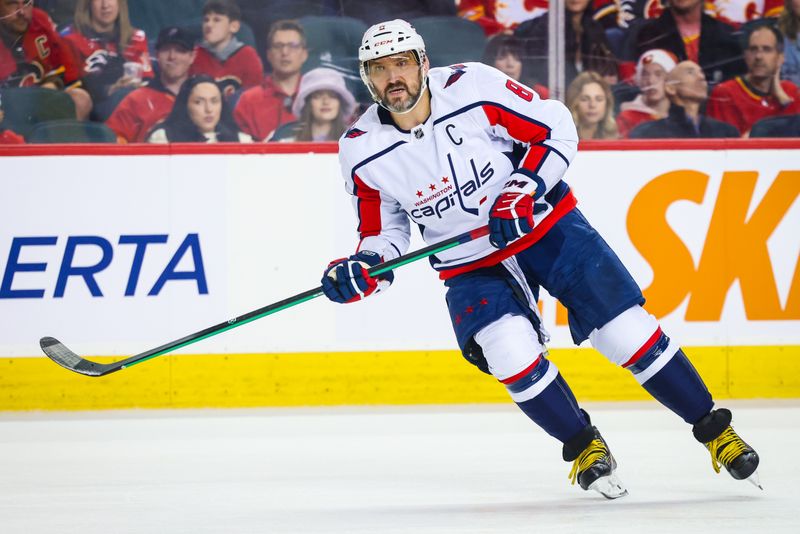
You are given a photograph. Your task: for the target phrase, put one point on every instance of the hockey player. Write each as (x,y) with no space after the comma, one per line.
(450,148)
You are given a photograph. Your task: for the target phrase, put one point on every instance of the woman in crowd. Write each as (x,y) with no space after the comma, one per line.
(789,24)
(585,44)
(590,100)
(652,102)
(324,107)
(200,115)
(505,53)
(112,53)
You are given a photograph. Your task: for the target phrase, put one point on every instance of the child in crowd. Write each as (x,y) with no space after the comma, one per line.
(112,54)
(221,55)
(590,100)
(324,106)
(652,103)
(200,115)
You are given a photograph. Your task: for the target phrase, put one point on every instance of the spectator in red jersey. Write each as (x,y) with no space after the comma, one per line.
(687,91)
(652,103)
(590,100)
(200,115)
(33,54)
(500,16)
(325,107)
(760,92)
(504,52)
(7,137)
(144,107)
(221,55)
(687,32)
(262,109)
(112,54)
(789,24)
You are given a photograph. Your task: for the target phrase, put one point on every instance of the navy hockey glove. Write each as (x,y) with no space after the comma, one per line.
(510,218)
(347,280)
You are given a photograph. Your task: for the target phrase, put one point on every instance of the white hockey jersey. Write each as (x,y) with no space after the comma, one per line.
(444,175)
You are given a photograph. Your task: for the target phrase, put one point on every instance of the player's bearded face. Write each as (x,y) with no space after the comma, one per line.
(397,81)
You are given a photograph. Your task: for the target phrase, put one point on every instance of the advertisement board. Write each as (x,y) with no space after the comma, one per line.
(117,253)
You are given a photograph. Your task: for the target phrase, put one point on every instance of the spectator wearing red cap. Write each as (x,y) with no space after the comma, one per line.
(652,103)
(143,108)
(112,54)
(324,107)
(33,54)
(687,91)
(221,55)
(760,92)
(262,109)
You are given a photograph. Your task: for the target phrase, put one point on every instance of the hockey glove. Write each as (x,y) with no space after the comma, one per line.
(347,280)
(510,218)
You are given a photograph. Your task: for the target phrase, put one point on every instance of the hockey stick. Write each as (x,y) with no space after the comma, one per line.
(64,357)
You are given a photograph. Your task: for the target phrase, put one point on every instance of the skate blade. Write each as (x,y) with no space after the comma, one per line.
(755,480)
(609,487)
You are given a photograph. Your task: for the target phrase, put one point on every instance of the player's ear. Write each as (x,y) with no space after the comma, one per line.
(426,65)
(235,26)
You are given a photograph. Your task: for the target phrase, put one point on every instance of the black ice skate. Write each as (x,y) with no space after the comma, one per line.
(593,465)
(726,447)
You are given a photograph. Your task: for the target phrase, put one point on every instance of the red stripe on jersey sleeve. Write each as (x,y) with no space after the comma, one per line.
(534,157)
(369,209)
(520,128)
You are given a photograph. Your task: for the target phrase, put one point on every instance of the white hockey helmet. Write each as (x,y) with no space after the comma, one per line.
(387,39)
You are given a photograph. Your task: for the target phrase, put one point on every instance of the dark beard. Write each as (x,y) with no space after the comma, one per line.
(406,105)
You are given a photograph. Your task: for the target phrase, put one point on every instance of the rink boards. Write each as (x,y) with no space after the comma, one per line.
(116,250)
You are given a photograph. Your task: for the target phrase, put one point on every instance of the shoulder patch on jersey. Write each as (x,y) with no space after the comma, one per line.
(458,71)
(352,133)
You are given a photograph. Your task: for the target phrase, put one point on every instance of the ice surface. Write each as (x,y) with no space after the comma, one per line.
(464,469)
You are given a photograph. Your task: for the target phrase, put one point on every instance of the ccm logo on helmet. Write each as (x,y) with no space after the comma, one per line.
(387,41)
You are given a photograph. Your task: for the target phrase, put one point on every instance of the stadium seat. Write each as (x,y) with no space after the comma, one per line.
(333,42)
(450,40)
(785,126)
(286,132)
(27,106)
(152,15)
(71,131)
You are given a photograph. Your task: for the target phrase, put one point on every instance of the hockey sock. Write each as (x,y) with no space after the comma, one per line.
(667,374)
(554,407)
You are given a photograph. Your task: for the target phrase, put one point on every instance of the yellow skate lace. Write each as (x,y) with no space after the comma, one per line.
(725,448)
(593,452)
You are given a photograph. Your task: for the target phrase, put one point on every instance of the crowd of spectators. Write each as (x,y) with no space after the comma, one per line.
(634,68)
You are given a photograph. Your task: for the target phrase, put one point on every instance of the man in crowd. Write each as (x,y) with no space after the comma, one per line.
(687,90)
(262,109)
(686,31)
(143,108)
(33,54)
(760,92)
(221,55)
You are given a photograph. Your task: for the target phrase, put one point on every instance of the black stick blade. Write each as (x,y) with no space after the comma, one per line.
(64,357)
